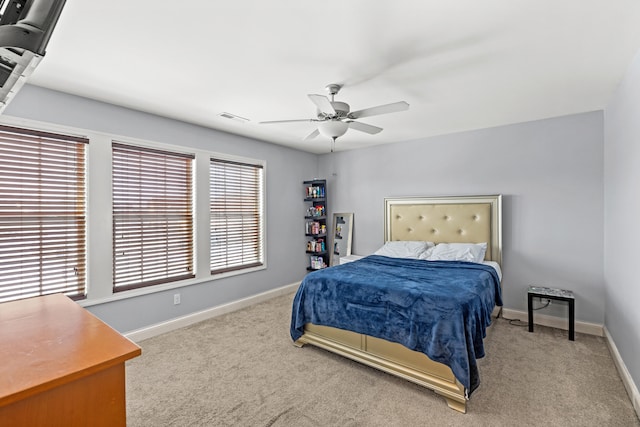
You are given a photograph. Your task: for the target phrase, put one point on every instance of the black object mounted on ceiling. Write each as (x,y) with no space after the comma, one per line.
(25,30)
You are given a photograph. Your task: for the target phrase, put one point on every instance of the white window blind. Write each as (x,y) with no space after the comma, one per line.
(152,216)
(236,215)
(42,214)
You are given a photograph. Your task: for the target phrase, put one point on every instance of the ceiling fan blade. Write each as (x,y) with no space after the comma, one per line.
(323,104)
(312,135)
(286,121)
(380,109)
(363,127)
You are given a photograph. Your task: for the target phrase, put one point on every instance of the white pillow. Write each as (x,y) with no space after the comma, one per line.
(403,249)
(471,252)
(426,254)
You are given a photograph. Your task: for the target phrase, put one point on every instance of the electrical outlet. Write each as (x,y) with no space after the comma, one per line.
(545,301)
(176,299)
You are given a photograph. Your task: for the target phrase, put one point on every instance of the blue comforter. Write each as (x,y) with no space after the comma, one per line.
(439,308)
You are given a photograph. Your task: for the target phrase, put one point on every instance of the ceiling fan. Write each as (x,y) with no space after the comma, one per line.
(334,117)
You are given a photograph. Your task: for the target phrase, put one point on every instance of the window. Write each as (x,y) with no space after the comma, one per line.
(42,214)
(236,215)
(152,217)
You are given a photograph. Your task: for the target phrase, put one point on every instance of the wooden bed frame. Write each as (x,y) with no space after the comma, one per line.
(470,219)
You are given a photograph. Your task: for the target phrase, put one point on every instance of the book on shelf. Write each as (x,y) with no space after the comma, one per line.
(317,262)
(316,245)
(315,211)
(315,191)
(314,227)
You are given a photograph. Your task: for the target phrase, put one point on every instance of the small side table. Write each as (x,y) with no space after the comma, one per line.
(555,294)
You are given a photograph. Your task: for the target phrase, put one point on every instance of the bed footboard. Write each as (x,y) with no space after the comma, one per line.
(389,357)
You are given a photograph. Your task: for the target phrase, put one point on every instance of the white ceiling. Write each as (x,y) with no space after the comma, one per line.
(461,65)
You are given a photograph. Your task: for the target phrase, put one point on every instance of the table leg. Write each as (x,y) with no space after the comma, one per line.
(572,320)
(530,310)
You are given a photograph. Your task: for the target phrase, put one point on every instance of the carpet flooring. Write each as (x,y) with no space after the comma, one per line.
(241,369)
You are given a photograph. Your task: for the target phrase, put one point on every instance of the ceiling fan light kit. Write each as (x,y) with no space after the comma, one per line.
(334,118)
(333,128)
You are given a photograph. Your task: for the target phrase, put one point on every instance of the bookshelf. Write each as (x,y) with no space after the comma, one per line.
(315,219)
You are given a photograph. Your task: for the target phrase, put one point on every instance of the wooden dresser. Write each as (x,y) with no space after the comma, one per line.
(60,365)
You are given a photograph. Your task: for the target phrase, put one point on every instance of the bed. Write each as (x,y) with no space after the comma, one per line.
(469,219)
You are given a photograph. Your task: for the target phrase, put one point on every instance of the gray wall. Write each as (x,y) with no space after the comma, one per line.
(286,169)
(622,218)
(549,172)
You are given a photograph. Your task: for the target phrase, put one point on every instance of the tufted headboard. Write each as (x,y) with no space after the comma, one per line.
(462,219)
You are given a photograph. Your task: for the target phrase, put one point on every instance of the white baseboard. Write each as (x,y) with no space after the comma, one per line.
(554,322)
(591,329)
(180,322)
(627,380)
